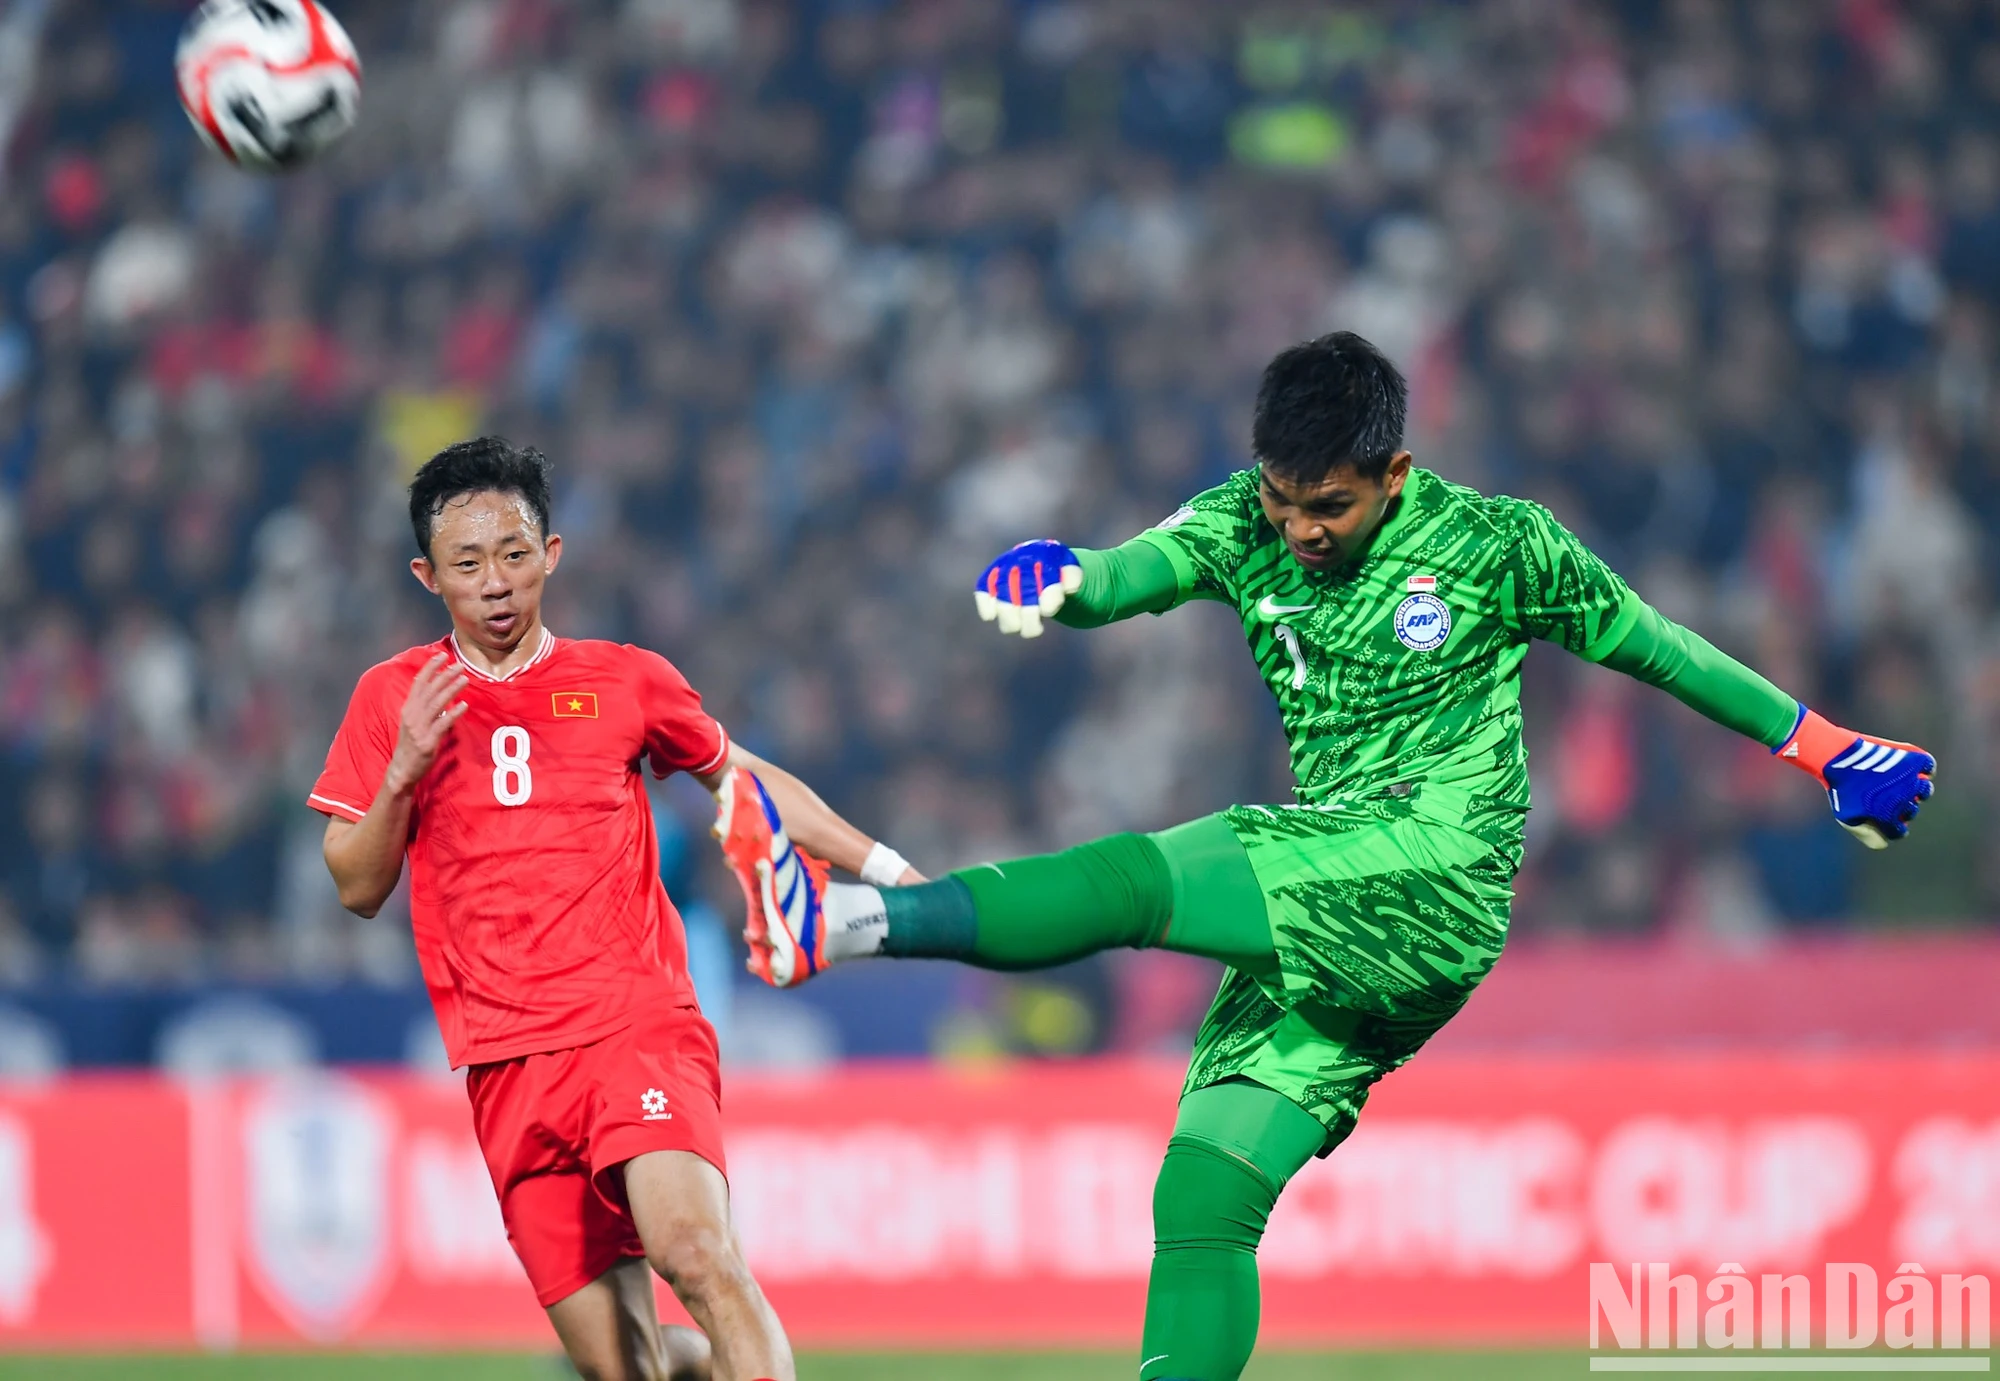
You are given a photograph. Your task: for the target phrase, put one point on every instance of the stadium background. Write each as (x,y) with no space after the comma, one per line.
(817,305)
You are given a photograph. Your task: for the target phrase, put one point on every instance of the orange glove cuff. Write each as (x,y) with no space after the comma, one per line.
(1814,744)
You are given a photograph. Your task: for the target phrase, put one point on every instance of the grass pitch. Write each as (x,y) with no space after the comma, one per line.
(901,1366)
(905,1366)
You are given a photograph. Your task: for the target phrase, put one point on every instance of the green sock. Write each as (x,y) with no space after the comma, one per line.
(1202,1302)
(1235,1145)
(1189,889)
(1033,913)
(932,920)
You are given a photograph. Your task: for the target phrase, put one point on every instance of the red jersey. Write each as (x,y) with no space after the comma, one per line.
(541,922)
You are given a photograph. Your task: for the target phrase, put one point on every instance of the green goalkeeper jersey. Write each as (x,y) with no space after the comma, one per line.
(1402,667)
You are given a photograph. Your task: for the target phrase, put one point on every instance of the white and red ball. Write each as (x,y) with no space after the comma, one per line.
(269,84)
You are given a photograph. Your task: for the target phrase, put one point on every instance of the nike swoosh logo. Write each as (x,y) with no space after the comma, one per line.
(1271,610)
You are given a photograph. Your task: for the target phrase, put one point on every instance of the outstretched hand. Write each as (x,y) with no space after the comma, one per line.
(1027,584)
(428,714)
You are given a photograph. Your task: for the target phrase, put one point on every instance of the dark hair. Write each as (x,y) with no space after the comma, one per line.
(474,467)
(1327,403)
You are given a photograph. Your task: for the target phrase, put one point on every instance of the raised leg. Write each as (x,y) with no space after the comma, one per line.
(1190,889)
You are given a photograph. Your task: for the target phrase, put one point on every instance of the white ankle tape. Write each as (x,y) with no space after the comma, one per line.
(883,866)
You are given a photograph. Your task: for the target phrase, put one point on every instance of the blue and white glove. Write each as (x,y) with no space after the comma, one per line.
(1874,784)
(1027,584)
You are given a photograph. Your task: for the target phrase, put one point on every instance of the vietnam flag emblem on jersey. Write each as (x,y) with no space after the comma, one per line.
(575,704)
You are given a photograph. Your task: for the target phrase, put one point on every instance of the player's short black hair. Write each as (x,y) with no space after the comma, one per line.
(1327,403)
(474,467)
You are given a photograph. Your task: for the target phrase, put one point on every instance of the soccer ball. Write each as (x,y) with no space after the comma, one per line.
(268,84)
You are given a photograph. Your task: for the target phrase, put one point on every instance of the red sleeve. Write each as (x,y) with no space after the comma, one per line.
(359,757)
(680,736)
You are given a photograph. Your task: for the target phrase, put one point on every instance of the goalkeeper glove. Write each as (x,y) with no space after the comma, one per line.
(1026,584)
(1873,784)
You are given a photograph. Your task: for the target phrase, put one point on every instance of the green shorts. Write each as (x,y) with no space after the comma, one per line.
(1383,919)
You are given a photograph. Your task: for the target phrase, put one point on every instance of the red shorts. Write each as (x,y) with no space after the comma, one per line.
(556,1127)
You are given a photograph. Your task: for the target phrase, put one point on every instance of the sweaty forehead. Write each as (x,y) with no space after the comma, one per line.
(482,520)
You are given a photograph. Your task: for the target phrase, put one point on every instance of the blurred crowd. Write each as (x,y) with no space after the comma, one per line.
(817,305)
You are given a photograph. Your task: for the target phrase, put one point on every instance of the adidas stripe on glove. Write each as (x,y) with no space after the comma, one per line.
(1027,584)
(1874,784)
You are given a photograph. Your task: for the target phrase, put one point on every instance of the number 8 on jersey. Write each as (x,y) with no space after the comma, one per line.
(512,782)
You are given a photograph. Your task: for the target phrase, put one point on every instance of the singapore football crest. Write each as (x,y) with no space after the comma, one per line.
(1422,623)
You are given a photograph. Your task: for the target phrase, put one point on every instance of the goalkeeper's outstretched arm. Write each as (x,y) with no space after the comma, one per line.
(1874,784)
(1077,587)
